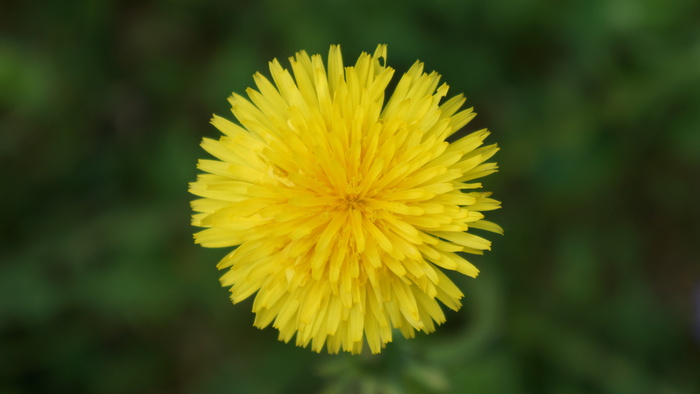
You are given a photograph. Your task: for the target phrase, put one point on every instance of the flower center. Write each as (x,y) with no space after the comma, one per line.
(352,201)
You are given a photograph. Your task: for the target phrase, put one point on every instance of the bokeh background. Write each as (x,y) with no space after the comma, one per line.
(595,288)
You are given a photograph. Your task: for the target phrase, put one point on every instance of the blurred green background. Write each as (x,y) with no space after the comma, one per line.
(595,288)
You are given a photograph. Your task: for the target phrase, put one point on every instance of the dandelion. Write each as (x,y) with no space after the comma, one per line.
(344,211)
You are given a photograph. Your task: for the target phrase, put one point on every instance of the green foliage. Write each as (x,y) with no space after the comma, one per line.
(592,288)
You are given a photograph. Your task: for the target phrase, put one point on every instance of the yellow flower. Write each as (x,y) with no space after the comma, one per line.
(345,210)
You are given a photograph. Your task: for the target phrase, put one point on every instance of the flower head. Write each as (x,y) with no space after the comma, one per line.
(344,210)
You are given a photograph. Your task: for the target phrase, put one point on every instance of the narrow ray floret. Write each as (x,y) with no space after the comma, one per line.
(345,208)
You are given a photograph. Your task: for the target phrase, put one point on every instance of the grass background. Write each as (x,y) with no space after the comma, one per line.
(595,288)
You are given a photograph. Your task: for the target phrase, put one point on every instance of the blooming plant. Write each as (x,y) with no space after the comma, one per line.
(344,209)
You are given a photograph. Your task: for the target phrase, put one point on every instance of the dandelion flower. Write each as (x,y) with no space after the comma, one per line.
(345,211)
